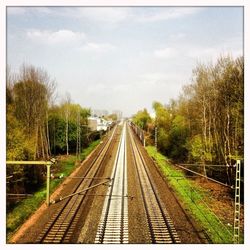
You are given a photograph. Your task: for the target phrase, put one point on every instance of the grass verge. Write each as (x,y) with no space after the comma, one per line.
(191,197)
(16,217)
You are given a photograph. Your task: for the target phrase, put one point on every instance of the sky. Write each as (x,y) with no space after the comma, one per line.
(121,58)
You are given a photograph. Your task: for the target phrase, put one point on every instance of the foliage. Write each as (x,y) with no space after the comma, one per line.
(206,122)
(19,147)
(142,119)
(57,126)
(172,131)
(112,117)
(31,94)
(38,129)
(177,138)
(196,149)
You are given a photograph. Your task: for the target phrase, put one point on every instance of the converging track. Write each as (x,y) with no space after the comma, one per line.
(160,225)
(115,196)
(61,226)
(113,227)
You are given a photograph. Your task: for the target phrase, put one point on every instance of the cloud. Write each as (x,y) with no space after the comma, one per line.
(177,36)
(211,54)
(110,14)
(59,37)
(166,53)
(29,10)
(104,14)
(197,51)
(97,47)
(98,14)
(160,14)
(154,76)
(232,46)
(69,38)
(205,52)
(159,78)
(119,14)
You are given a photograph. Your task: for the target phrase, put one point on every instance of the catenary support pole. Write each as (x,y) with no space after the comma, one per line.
(156,138)
(48,185)
(237,204)
(47,163)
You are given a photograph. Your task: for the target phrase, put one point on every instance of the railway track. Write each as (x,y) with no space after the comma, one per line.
(160,225)
(113,226)
(60,227)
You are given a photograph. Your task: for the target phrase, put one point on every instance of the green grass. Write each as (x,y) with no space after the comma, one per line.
(191,197)
(89,149)
(16,217)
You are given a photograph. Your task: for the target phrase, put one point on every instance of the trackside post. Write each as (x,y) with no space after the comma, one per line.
(237,204)
(47,163)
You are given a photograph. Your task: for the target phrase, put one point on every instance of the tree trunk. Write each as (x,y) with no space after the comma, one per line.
(36,153)
(47,133)
(54,135)
(204,123)
(42,144)
(67,132)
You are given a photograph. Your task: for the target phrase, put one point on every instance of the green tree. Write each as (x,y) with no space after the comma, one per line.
(18,146)
(206,123)
(178,135)
(77,119)
(163,120)
(142,119)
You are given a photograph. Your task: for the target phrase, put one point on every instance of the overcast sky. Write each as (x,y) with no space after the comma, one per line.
(121,58)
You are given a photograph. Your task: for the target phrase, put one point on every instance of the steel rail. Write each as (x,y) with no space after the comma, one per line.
(113,225)
(160,224)
(46,235)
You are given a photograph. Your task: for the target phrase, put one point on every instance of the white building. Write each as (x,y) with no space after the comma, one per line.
(97,124)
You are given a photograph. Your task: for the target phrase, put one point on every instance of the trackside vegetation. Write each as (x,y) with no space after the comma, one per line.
(204,126)
(191,197)
(28,206)
(39,127)
(206,122)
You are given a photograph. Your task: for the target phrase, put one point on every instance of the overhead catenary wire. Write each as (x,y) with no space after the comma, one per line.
(59,228)
(213,213)
(191,198)
(201,165)
(209,178)
(200,211)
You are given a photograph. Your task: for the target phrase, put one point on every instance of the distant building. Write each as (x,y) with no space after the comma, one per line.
(98,124)
(92,123)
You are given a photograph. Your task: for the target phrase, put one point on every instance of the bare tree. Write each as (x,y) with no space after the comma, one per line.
(66,110)
(32,94)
